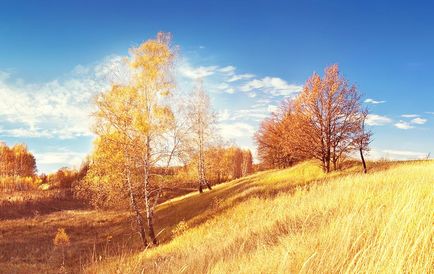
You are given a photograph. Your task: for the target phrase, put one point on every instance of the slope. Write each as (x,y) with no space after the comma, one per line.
(297,220)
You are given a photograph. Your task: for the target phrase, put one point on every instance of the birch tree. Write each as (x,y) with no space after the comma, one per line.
(152,66)
(131,121)
(202,120)
(115,148)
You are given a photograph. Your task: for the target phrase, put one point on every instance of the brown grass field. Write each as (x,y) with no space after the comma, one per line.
(297,220)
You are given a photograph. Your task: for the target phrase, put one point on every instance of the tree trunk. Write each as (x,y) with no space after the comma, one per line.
(327,163)
(365,170)
(149,208)
(150,217)
(323,162)
(135,208)
(328,158)
(201,161)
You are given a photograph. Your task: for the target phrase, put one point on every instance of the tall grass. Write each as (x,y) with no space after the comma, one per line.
(375,223)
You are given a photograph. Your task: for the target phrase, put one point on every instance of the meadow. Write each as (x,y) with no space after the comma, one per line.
(295,220)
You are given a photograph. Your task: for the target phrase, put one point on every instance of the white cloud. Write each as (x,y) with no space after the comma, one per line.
(251,94)
(252,114)
(240,77)
(419,121)
(228,70)
(236,130)
(403,125)
(273,85)
(272,108)
(62,158)
(409,115)
(377,120)
(225,79)
(254,84)
(405,154)
(230,90)
(223,115)
(395,154)
(59,108)
(25,132)
(372,101)
(225,87)
(195,73)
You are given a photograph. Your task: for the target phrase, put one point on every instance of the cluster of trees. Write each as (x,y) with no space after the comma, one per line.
(144,129)
(326,121)
(17,168)
(64,177)
(18,171)
(222,164)
(16,161)
(228,163)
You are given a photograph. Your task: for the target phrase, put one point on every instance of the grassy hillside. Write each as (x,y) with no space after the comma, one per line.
(297,220)
(274,221)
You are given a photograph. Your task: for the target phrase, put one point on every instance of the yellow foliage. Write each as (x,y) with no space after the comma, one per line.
(18,183)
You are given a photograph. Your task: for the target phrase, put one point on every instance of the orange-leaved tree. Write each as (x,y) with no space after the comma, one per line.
(325,122)
(331,117)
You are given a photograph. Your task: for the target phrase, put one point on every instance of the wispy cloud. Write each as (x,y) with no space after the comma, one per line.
(418,121)
(240,77)
(409,115)
(403,125)
(236,130)
(196,73)
(61,157)
(377,120)
(374,102)
(25,133)
(56,110)
(226,79)
(59,108)
(396,154)
(256,113)
(272,85)
(223,115)
(230,70)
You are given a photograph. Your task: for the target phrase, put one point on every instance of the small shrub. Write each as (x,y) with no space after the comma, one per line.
(61,239)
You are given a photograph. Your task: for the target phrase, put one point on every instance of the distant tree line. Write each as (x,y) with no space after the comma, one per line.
(18,171)
(16,161)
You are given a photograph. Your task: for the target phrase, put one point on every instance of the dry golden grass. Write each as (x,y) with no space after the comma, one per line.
(298,220)
(293,220)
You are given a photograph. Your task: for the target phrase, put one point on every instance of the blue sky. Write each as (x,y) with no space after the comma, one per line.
(54,55)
